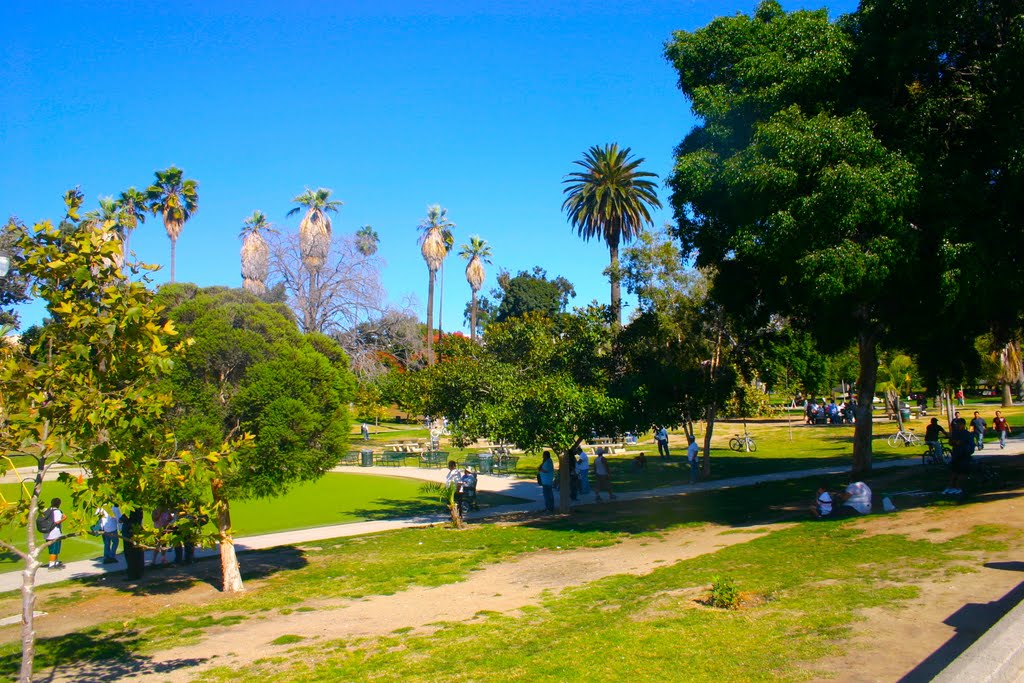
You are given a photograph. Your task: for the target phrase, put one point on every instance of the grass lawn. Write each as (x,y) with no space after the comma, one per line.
(803,585)
(334,499)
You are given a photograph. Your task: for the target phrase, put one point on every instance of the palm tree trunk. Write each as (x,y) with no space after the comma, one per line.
(613,250)
(1007,395)
(440,307)
(173,243)
(430,320)
(472,318)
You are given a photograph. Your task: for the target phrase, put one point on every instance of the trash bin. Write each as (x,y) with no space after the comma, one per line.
(367,458)
(486,464)
(905,413)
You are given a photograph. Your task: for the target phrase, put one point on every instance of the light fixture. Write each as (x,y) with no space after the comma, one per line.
(5,264)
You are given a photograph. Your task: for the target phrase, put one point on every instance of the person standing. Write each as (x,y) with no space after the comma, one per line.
(1002,428)
(546,479)
(661,436)
(692,451)
(365,431)
(109,522)
(960,396)
(603,475)
(453,480)
(978,429)
(55,534)
(583,470)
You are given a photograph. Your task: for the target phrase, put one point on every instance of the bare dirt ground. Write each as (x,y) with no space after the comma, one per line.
(909,644)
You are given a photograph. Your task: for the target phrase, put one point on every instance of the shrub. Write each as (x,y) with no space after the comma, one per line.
(724,593)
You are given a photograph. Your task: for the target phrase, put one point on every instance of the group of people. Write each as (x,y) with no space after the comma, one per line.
(818,412)
(579,476)
(462,485)
(963,443)
(854,500)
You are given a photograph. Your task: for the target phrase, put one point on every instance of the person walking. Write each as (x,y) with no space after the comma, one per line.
(1002,428)
(978,429)
(546,479)
(583,470)
(55,534)
(692,450)
(603,475)
(364,429)
(109,522)
(661,436)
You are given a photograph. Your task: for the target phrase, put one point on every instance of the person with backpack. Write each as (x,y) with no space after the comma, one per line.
(48,523)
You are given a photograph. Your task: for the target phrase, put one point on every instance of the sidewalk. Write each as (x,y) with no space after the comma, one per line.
(519,488)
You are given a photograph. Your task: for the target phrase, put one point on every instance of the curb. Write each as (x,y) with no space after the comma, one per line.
(996,657)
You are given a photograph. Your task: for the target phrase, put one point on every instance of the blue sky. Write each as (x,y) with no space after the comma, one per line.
(481,107)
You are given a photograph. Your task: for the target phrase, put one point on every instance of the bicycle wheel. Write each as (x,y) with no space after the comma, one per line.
(753,445)
(735,444)
(913,439)
(892,439)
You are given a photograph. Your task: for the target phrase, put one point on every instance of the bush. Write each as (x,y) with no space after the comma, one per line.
(724,593)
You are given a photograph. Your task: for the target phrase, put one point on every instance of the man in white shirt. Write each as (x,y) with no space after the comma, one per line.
(692,456)
(856,498)
(55,535)
(583,470)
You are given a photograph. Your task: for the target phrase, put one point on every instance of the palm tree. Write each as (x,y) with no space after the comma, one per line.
(610,200)
(176,199)
(435,242)
(315,228)
(255,253)
(108,221)
(1010,366)
(132,204)
(477,252)
(367,240)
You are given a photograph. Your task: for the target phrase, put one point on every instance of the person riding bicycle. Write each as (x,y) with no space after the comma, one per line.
(931,436)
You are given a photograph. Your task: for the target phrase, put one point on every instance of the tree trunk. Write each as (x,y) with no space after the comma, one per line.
(564,486)
(231,576)
(867,346)
(1007,395)
(472,318)
(28,579)
(440,308)
(616,289)
(430,319)
(894,399)
(705,466)
(173,243)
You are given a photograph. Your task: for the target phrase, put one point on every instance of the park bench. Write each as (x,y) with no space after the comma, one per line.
(350,458)
(505,464)
(433,459)
(391,459)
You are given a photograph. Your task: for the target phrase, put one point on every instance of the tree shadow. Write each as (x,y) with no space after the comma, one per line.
(91,655)
(970,622)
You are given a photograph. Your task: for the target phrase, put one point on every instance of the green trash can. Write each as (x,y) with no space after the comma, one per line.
(367,458)
(905,414)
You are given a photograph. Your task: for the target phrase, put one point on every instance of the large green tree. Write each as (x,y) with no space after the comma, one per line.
(610,200)
(248,370)
(787,191)
(531,292)
(176,199)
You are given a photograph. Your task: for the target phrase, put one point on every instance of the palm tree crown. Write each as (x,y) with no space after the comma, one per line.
(315,228)
(367,240)
(610,199)
(132,204)
(176,199)
(255,252)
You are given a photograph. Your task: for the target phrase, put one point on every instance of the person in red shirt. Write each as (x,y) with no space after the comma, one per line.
(1002,428)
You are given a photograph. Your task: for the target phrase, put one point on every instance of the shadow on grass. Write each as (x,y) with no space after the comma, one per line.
(91,655)
(970,622)
(423,508)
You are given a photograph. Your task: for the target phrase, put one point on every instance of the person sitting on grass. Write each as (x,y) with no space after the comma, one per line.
(854,500)
(823,503)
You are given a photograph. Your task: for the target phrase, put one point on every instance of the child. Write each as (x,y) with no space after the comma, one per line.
(823,504)
(54,537)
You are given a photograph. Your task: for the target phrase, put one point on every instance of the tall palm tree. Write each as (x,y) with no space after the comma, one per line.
(176,199)
(435,241)
(255,253)
(315,228)
(610,200)
(108,221)
(477,252)
(367,240)
(132,203)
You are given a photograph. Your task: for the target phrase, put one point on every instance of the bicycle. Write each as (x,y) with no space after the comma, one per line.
(907,438)
(743,443)
(931,455)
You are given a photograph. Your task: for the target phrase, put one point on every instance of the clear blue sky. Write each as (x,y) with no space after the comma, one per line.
(479,106)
